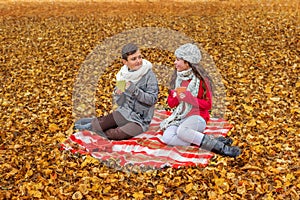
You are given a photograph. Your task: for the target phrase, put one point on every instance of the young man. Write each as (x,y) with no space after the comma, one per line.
(135,102)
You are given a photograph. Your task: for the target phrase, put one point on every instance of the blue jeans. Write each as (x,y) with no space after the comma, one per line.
(190,131)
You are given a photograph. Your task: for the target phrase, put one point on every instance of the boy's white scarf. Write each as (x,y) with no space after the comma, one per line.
(183,108)
(133,76)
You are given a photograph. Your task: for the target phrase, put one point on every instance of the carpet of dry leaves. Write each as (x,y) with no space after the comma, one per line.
(254,44)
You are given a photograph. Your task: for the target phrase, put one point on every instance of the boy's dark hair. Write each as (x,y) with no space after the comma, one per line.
(128,50)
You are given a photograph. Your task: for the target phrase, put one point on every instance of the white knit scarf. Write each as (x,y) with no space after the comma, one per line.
(183,108)
(133,76)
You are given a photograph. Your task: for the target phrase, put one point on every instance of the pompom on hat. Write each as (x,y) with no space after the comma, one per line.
(189,52)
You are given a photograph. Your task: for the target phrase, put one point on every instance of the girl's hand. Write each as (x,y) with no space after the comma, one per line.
(174,94)
(182,95)
(181,92)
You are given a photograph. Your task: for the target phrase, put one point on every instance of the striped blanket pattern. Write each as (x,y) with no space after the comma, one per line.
(146,149)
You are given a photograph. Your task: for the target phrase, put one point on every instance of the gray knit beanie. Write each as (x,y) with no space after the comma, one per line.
(189,52)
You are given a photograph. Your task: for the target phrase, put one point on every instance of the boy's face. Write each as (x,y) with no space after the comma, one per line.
(134,61)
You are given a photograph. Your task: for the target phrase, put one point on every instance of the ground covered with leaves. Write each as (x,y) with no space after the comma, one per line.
(255,46)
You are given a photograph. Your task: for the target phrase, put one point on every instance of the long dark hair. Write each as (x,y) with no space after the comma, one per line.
(201,74)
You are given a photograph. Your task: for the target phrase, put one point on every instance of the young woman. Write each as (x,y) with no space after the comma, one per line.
(135,102)
(191,96)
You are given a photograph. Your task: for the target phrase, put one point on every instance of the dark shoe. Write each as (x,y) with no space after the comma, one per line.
(215,146)
(83,127)
(84,121)
(225,150)
(225,140)
(83,124)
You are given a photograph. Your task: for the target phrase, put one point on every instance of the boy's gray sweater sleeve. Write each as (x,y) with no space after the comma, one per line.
(149,95)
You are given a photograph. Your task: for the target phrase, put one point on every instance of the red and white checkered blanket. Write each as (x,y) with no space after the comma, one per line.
(146,149)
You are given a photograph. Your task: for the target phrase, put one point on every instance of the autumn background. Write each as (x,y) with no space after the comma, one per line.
(255,45)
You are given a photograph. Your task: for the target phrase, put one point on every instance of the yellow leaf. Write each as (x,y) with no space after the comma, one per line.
(274,170)
(258,148)
(268,90)
(251,167)
(230,175)
(275,98)
(88,160)
(290,177)
(248,108)
(243,80)
(251,123)
(83,189)
(189,187)
(35,193)
(53,127)
(169,194)
(293,110)
(138,195)
(222,184)
(107,189)
(177,181)
(28,174)
(297,84)
(290,129)
(77,195)
(241,189)
(47,171)
(278,184)
(17,146)
(70,130)
(95,187)
(5,103)
(212,195)
(160,189)
(27,94)
(11,173)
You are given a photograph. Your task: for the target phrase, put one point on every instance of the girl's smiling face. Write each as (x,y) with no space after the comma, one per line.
(181,65)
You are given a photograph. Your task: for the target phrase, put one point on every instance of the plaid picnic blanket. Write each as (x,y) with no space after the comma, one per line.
(146,149)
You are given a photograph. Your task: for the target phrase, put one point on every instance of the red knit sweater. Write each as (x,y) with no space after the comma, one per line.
(201,106)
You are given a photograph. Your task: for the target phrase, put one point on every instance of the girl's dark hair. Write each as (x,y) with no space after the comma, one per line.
(200,73)
(128,50)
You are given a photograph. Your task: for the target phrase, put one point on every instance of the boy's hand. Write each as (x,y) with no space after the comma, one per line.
(127,85)
(118,91)
(122,86)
